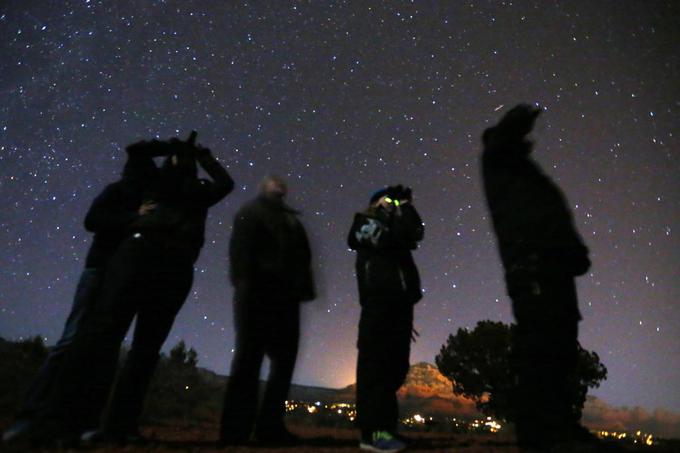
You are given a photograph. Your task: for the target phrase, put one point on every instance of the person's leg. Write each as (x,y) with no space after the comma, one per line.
(84,298)
(283,335)
(384,346)
(545,349)
(371,392)
(399,337)
(562,355)
(560,365)
(165,290)
(240,398)
(523,402)
(90,364)
(37,396)
(365,393)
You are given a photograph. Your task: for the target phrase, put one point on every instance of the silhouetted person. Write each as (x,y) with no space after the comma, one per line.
(541,252)
(148,277)
(271,272)
(389,286)
(109,218)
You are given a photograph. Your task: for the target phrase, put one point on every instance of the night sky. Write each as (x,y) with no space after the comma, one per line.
(343,98)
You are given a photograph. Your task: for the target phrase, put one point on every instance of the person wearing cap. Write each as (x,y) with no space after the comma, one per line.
(384,236)
(542,253)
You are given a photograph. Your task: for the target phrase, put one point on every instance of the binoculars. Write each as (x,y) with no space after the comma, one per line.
(396,193)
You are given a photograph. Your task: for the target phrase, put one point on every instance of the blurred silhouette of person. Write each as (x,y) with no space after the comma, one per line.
(271,272)
(148,277)
(110,216)
(541,252)
(389,286)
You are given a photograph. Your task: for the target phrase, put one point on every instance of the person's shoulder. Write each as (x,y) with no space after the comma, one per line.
(116,186)
(290,210)
(250,208)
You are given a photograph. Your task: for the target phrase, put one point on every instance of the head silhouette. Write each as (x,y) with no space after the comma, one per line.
(273,188)
(513,130)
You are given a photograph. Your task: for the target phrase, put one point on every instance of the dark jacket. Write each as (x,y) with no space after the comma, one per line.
(178,222)
(384,266)
(270,254)
(114,210)
(530,215)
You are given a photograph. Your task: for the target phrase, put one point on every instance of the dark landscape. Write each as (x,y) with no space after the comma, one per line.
(185,401)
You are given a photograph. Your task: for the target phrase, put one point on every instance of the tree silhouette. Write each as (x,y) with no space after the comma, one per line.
(20,361)
(178,391)
(181,356)
(479,362)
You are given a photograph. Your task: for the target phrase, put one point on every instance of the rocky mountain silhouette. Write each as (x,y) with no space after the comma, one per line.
(426,391)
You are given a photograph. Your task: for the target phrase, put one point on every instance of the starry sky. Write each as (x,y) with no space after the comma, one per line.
(344,97)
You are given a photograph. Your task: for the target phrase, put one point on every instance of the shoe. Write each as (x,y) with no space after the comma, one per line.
(99,437)
(19,431)
(94,437)
(382,441)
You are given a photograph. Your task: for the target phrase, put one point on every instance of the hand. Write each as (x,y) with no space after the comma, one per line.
(407,195)
(201,152)
(192,138)
(180,147)
(395,192)
(401,193)
(147,207)
(149,148)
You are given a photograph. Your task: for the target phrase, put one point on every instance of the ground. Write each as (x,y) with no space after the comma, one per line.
(183,438)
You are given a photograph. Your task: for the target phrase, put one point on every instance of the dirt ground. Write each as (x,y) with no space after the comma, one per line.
(171,439)
(328,440)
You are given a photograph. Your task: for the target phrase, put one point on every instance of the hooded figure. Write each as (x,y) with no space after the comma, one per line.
(541,252)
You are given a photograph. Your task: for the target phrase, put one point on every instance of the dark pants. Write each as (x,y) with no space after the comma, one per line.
(545,353)
(265,325)
(142,280)
(85,296)
(383,363)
